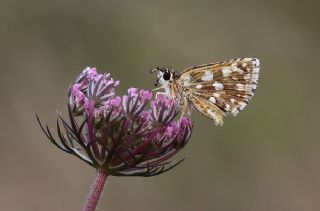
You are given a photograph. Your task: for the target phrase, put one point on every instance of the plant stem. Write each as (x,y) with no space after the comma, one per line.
(96,191)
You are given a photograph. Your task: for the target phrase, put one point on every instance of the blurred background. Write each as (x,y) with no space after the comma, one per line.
(267,158)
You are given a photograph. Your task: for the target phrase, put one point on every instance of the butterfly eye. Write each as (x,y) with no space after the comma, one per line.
(166,76)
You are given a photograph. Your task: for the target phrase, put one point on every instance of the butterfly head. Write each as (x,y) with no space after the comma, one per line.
(165,75)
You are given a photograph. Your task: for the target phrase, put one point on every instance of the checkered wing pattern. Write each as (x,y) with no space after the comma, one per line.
(221,88)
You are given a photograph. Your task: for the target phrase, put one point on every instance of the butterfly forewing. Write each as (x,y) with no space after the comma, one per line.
(221,88)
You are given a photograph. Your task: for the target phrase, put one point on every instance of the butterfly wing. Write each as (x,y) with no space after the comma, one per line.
(221,88)
(210,110)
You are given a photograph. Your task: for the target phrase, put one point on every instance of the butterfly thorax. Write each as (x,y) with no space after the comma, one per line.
(169,80)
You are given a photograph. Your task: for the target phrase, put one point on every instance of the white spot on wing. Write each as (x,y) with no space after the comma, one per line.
(246,87)
(212,100)
(235,111)
(240,86)
(226,72)
(255,70)
(247,76)
(198,86)
(242,105)
(252,77)
(217,85)
(212,113)
(257,62)
(208,76)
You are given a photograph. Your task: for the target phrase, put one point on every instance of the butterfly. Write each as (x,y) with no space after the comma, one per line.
(214,89)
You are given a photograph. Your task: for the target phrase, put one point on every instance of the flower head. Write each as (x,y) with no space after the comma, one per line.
(132,135)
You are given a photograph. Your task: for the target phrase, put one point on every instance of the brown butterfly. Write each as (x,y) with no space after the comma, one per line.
(214,90)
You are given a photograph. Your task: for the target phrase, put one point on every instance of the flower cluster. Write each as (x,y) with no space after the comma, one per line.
(132,135)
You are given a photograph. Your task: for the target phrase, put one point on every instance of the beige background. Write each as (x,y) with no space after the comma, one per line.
(267,158)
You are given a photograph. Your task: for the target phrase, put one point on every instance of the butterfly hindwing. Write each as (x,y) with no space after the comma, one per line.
(208,109)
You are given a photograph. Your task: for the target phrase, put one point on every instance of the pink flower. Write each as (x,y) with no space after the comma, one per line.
(123,136)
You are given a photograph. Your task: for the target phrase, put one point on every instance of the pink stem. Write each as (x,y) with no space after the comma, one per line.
(96,191)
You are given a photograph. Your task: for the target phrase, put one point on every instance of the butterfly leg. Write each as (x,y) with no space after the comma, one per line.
(158,88)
